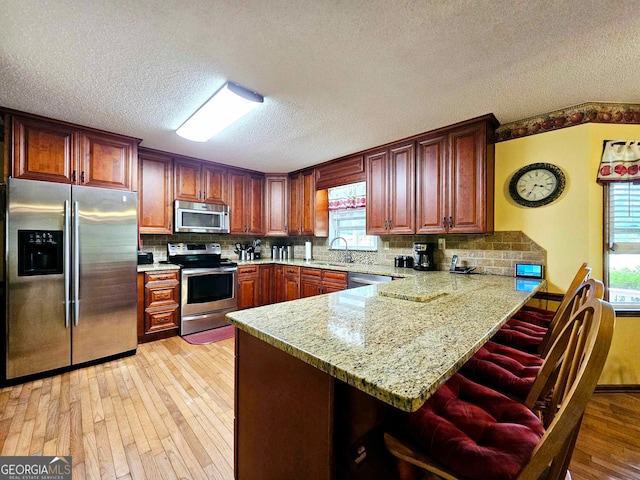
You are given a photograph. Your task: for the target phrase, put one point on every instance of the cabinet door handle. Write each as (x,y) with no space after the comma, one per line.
(390,224)
(450,222)
(385,224)
(73,176)
(82,177)
(444,222)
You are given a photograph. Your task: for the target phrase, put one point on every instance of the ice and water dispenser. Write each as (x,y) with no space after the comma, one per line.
(40,252)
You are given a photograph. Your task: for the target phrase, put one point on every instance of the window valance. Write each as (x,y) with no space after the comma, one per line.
(348,196)
(620,161)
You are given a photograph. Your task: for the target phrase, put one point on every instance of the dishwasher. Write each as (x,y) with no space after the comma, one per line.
(355,280)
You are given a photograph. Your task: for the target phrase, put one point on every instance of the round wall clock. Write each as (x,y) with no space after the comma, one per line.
(536,184)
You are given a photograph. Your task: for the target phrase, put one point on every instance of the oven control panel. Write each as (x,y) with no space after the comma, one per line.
(193,248)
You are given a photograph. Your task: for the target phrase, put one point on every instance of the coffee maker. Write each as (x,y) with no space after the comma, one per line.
(423,256)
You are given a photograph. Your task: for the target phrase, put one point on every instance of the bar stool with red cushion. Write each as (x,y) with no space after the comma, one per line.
(543,317)
(468,431)
(529,340)
(504,369)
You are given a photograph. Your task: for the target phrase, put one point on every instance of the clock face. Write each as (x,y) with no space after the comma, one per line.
(536,184)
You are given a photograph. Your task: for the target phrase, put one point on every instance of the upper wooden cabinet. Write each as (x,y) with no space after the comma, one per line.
(340,172)
(199,181)
(246,203)
(391,190)
(302,193)
(455,179)
(53,151)
(276,205)
(155,180)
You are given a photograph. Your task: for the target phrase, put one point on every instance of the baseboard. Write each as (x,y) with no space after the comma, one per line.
(617,388)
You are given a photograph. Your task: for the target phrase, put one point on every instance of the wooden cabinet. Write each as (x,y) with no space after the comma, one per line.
(266,285)
(291,285)
(310,282)
(158,305)
(302,191)
(276,205)
(391,190)
(53,151)
(315,281)
(340,172)
(155,180)
(248,287)
(278,284)
(246,203)
(455,179)
(199,181)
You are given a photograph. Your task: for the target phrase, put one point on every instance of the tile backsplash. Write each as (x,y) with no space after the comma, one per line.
(496,253)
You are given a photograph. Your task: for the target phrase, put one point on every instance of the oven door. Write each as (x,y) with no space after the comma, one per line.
(206,290)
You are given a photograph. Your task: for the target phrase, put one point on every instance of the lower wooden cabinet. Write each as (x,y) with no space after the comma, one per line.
(248,287)
(291,286)
(278,284)
(315,281)
(158,305)
(266,285)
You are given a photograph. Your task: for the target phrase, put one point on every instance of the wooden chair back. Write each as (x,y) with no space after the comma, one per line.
(586,291)
(585,341)
(581,276)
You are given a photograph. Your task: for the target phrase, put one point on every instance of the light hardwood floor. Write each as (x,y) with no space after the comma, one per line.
(167,413)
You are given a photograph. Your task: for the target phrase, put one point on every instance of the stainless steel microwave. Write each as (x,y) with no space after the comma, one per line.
(191,217)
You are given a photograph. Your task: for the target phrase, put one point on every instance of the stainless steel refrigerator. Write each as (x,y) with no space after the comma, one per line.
(70,271)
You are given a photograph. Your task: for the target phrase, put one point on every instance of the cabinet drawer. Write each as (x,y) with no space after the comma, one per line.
(160,296)
(292,270)
(157,320)
(248,270)
(334,277)
(161,276)
(311,272)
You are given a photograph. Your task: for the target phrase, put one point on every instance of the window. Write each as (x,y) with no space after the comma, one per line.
(347,217)
(623,248)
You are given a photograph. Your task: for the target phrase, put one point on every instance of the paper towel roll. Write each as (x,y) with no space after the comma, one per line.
(307,251)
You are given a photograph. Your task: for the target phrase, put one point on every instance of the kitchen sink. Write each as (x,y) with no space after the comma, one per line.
(333,264)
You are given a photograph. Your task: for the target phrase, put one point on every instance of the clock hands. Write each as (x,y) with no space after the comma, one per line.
(533,187)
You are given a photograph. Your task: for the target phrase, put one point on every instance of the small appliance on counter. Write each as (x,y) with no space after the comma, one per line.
(145,258)
(423,256)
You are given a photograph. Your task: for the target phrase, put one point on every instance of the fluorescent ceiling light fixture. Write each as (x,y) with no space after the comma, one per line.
(227,105)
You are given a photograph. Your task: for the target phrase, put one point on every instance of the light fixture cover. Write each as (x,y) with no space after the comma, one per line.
(227,105)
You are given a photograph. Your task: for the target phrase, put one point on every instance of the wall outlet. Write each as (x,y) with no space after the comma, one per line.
(385,245)
(441,244)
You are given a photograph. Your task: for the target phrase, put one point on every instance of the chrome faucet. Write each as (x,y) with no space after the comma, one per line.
(347,255)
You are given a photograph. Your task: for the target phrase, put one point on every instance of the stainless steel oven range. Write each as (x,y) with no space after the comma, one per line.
(208,284)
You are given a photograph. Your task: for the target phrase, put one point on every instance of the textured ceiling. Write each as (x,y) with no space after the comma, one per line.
(338,76)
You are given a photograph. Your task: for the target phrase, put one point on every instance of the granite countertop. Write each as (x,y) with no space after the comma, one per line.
(398,341)
(153,267)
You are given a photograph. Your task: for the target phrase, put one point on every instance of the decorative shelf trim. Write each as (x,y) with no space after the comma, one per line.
(590,112)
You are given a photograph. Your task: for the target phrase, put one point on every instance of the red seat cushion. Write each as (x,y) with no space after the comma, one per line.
(516,339)
(502,368)
(534,315)
(474,431)
(526,327)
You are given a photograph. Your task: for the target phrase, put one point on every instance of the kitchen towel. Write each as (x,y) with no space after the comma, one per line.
(307,251)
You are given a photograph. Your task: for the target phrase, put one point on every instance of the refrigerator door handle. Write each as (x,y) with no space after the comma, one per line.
(76,263)
(67,263)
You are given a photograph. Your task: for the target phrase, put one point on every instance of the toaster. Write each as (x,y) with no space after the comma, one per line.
(145,258)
